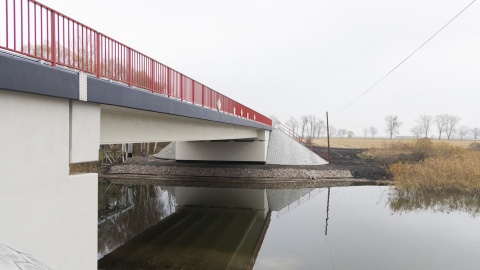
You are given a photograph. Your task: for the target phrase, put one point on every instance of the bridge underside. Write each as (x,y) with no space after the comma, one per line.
(198,140)
(120,125)
(94,124)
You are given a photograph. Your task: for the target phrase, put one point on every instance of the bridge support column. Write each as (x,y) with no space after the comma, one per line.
(237,151)
(84,131)
(44,210)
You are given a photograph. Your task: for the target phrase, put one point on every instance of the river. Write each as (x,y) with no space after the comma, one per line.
(363,227)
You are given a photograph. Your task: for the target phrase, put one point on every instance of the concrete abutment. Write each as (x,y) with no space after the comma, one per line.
(254,150)
(46,211)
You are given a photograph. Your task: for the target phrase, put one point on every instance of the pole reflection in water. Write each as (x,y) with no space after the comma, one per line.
(366,234)
(328,208)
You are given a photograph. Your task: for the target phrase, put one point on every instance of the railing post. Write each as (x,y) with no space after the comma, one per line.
(181,86)
(193,92)
(168,82)
(129,66)
(14,26)
(203,89)
(52,46)
(152,75)
(6,24)
(97,54)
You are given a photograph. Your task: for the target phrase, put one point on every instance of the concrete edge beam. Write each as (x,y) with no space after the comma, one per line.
(24,75)
(30,77)
(105,92)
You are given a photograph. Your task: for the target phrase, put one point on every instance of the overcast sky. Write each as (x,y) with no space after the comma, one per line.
(293,58)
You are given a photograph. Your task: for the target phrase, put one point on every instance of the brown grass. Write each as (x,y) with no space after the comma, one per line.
(456,172)
(474,146)
(379,143)
(441,166)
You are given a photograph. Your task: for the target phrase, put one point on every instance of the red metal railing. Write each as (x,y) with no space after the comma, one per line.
(37,31)
(303,141)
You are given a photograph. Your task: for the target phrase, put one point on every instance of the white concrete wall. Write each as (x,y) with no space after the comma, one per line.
(121,125)
(243,151)
(84,131)
(221,151)
(43,210)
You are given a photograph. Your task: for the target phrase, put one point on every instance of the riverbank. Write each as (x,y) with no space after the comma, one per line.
(347,168)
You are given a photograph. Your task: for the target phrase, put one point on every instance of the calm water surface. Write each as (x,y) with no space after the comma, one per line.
(342,228)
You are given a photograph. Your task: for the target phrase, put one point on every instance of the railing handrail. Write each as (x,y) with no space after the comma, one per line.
(301,140)
(36,30)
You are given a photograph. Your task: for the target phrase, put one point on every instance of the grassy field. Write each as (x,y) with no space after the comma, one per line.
(380,143)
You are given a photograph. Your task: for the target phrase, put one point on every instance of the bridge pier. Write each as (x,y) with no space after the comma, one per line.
(45,211)
(254,150)
(84,131)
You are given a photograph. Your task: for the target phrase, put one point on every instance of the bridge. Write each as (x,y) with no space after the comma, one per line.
(65,89)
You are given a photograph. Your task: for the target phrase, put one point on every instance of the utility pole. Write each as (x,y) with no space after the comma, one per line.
(328,141)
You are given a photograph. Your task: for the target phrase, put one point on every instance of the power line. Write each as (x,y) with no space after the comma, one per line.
(404,60)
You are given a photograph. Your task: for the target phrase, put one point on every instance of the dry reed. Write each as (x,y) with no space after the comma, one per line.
(439,166)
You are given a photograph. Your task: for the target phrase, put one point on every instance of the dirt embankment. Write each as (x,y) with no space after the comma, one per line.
(361,168)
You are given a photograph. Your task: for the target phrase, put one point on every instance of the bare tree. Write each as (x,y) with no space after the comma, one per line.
(373,131)
(417,130)
(393,124)
(304,125)
(332,130)
(320,128)
(292,123)
(323,130)
(452,122)
(342,132)
(463,131)
(475,133)
(425,121)
(441,122)
(350,134)
(312,120)
(365,132)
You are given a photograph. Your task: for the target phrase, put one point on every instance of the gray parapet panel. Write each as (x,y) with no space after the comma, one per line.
(34,77)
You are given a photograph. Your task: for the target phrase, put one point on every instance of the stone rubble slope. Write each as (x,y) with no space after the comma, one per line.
(167,153)
(283,173)
(284,150)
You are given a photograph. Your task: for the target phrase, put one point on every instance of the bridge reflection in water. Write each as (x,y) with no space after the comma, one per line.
(211,228)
